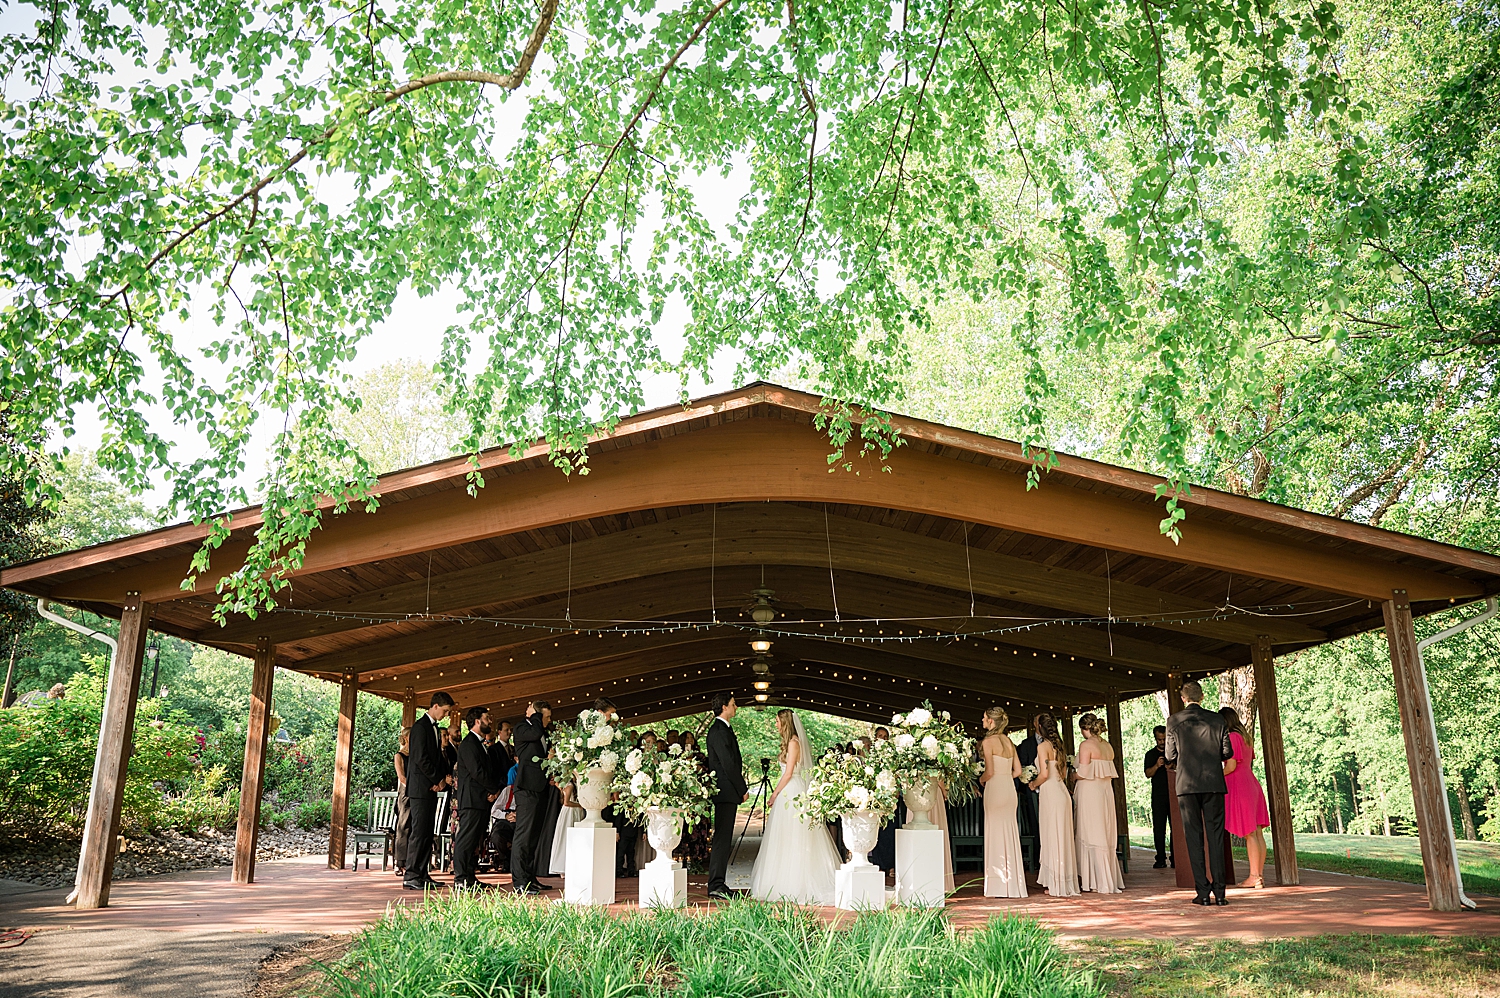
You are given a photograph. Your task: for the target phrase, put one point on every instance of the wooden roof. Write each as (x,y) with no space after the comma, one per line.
(942,578)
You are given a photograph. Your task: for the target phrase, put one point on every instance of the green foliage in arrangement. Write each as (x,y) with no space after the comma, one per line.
(504,947)
(277,173)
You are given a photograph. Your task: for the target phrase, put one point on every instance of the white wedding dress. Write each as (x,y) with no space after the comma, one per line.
(796,861)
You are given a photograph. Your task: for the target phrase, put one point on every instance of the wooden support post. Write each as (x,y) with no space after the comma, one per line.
(1174,693)
(252,782)
(1273,755)
(338,827)
(408,708)
(1117,742)
(96,857)
(1445,889)
(1065,728)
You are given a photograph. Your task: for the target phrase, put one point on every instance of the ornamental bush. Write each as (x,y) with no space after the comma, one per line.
(47,761)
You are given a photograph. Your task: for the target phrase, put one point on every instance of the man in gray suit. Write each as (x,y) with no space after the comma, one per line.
(1197,745)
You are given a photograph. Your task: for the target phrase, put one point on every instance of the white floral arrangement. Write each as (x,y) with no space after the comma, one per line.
(652,778)
(927,745)
(843,781)
(590,742)
(1028,773)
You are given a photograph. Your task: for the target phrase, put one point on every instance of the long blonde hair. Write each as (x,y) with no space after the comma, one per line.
(786,727)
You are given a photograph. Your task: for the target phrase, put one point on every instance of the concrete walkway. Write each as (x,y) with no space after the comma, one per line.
(303,896)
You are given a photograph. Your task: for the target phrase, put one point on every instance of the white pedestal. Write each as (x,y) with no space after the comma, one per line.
(919,867)
(589,870)
(859,888)
(663,885)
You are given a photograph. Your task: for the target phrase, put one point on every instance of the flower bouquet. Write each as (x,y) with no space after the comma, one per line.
(653,780)
(585,754)
(843,782)
(1028,773)
(926,746)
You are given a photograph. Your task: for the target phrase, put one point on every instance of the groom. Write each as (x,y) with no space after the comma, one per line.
(1197,745)
(729,771)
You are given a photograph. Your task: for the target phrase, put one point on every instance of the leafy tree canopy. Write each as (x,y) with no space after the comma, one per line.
(285,168)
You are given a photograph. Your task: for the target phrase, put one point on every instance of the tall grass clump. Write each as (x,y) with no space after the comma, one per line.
(502,947)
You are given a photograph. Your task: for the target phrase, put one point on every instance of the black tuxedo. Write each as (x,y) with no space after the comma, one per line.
(476,782)
(729,772)
(425,768)
(500,761)
(1026,804)
(1197,745)
(530,740)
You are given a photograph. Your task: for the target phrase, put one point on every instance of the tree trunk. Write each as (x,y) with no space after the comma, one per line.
(1464,811)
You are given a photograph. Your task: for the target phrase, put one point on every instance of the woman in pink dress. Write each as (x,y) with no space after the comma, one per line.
(1245,812)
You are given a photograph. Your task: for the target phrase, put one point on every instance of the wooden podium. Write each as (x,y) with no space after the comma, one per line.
(1184,868)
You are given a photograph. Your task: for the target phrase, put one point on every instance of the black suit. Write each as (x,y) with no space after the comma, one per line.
(476,782)
(1026,804)
(729,772)
(1161,806)
(1197,745)
(530,741)
(425,768)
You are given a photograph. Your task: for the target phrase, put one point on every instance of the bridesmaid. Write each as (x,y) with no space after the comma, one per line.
(1245,811)
(1059,860)
(1094,797)
(1004,864)
(403,815)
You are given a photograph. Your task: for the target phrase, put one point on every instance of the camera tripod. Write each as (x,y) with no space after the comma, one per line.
(758,797)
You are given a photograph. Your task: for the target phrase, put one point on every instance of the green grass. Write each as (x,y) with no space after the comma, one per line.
(1317,967)
(1386,857)
(499,946)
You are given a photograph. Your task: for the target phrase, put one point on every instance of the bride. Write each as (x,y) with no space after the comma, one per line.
(796,861)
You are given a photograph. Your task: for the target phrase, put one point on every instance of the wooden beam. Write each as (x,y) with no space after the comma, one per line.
(1174,693)
(257,736)
(408,708)
(1117,742)
(1445,889)
(338,827)
(763,534)
(96,855)
(1065,726)
(1273,755)
(579,660)
(386,665)
(709,466)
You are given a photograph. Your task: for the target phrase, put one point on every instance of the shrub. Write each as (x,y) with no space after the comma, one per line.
(47,761)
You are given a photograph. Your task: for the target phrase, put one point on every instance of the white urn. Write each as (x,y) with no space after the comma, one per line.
(663,831)
(920,798)
(594,795)
(861,832)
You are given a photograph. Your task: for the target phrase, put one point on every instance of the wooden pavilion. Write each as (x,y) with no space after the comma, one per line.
(699,529)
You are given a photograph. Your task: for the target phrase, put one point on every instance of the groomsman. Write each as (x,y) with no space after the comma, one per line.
(426,774)
(477,790)
(729,771)
(1197,746)
(1161,805)
(531,796)
(1026,801)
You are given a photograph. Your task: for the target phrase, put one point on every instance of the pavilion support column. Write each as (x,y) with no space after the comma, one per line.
(252,783)
(1445,889)
(1174,693)
(1117,742)
(1065,728)
(409,708)
(1273,754)
(343,759)
(96,857)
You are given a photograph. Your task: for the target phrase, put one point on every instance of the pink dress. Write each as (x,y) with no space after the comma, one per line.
(1245,806)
